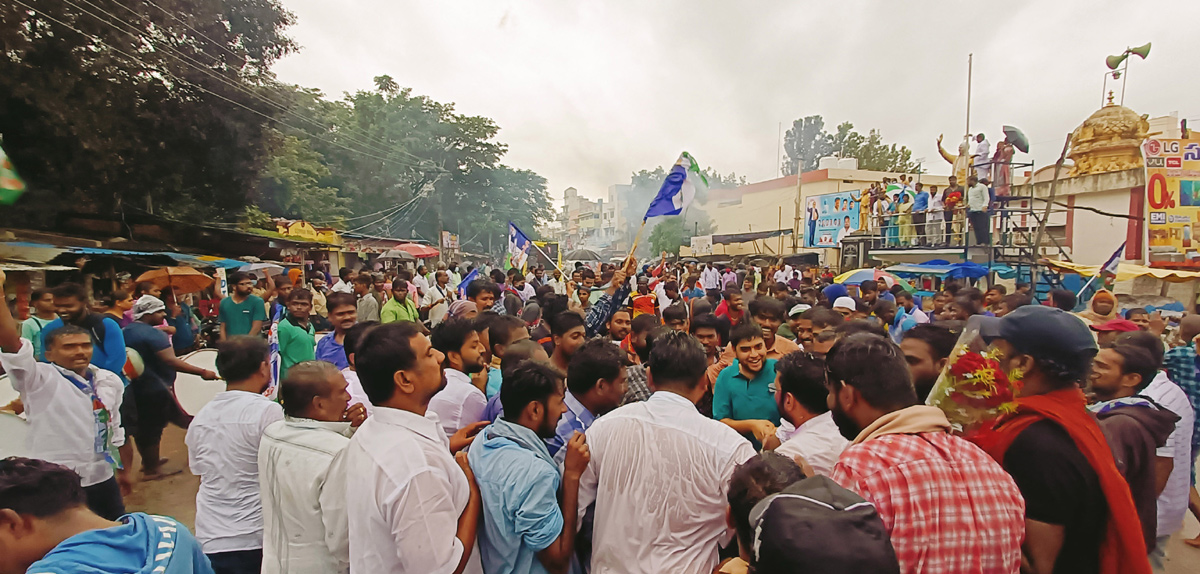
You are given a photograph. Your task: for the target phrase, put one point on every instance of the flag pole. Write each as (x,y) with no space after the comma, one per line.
(636,239)
(552,262)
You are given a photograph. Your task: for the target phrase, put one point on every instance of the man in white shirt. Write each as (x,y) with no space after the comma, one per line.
(801,395)
(556,281)
(345,281)
(710,278)
(301,477)
(438,298)
(222,444)
(680,478)
(353,385)
(977,206)
(412,507)
(66,425)
(982,158)
(460,403)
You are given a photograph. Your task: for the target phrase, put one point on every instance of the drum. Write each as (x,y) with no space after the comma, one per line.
(14,432)
(7,393)
(192,391)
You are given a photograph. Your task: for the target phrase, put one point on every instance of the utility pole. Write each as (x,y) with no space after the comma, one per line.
(970,65)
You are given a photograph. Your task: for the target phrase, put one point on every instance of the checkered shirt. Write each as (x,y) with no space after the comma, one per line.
(1183,368)
(950,508)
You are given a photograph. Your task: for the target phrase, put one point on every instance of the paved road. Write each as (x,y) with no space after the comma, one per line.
(176,496)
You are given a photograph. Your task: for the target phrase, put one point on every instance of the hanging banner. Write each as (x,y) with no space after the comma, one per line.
(1172,194)
(831,217)
(702,245)
(449,240)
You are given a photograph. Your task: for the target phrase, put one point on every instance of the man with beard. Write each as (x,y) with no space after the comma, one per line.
(1080,515)
(900,452)
(525,529)
(461,403)
(619,325)
(926,349)
(412,507)
(743,396)
(108,344)
(1136,427)
(596,383)
(803,402)
(222,444)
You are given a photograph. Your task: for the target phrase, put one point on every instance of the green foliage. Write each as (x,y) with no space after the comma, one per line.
(290,186)
(667,236)
(808,141)
(106,113)
(254,218)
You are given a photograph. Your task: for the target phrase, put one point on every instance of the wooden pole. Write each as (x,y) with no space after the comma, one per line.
(636,239)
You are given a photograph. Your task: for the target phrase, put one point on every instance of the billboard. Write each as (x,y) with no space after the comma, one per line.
(830,217)
(702,245)
(1172,194)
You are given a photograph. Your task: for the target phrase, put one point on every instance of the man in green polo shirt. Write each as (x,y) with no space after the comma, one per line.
(400,307)
(242,312)
(297,339)
(744,394)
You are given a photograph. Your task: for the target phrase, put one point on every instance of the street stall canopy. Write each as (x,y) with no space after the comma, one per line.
(945,270)
(417,250)
(1125,271)
(857,276)
(748,237)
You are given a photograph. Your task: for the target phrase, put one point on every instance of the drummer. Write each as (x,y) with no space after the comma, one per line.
(152,391)
(74,409)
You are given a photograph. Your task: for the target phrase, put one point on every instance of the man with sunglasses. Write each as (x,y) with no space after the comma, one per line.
(943,500)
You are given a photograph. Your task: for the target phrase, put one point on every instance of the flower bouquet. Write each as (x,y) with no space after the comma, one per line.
(973,389)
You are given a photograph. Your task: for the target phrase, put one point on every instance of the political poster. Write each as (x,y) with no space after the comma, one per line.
(1172,194)
(830,217)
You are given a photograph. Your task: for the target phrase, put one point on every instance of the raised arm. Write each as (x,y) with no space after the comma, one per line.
(10,334)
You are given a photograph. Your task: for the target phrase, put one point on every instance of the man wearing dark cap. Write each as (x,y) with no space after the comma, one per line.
(1079,515)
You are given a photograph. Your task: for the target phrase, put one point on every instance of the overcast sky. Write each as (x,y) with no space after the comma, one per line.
(587,92)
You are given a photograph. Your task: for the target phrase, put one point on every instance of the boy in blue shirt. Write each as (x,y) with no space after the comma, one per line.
(46,527)
(525,529)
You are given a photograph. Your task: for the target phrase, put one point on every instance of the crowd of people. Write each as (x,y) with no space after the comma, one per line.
(675,418)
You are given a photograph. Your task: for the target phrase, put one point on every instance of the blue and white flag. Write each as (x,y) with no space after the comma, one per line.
(1110,266)
(518,248)
(466,281)
(679,188)
(276,360)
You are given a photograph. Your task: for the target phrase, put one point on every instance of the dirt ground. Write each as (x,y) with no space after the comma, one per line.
(175,496)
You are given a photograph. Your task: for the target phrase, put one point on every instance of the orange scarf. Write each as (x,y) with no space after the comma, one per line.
(1123,550)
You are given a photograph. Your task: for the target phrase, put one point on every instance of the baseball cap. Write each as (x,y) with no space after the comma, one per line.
(147,304)
(1043,333)
(815,525)
(798,309)
(1118,324)
(845,303)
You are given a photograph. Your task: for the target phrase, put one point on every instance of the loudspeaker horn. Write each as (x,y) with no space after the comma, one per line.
(1142,51)
(1114,62)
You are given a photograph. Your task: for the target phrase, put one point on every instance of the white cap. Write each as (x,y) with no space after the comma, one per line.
(798,309)
(146,305)
(844,303)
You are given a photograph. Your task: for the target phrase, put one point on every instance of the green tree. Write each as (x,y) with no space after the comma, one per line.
(137,107)
(291,184)
(668,235)
(807,140)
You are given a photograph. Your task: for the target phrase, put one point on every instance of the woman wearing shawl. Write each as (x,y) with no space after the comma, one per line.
(1101,309)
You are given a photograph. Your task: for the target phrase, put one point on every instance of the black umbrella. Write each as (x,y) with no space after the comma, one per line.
(1017,138)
